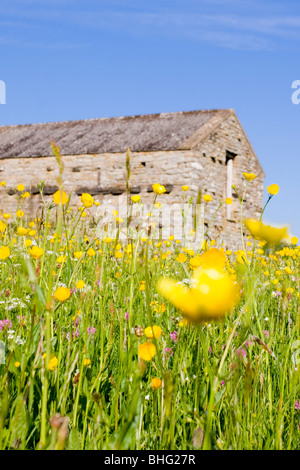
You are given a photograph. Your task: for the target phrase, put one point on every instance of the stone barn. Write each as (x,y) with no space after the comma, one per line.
(207,150)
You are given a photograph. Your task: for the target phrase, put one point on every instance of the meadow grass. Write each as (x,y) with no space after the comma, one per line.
(72,377)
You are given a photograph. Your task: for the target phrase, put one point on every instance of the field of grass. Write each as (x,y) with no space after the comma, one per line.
(95,355)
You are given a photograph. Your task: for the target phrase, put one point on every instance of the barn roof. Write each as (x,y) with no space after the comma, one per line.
(151,132)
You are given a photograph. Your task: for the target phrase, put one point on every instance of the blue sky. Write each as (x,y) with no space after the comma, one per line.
(71,59)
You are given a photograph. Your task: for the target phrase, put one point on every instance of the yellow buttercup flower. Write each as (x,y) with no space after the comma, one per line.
(91,252)
(195,262)
(211,295)
(3,226)
(25,195)
(80,284)
(60,197)
(156,383)
(4,252)
(19,213)
(62,293)
(153,331)
(22,231)
(294,240)
(273,189)
(228,201)
(136,198)
(146,351)
(86,362)
(87,200)
(36,252)
(241,257)
(78,254)
(207,198)
(53,361)
(20,187)
(181,258)
(185,188)
(6,216)
(271,235)
(158,188)
(249,176)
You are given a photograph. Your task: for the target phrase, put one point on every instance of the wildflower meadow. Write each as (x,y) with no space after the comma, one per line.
(144,343)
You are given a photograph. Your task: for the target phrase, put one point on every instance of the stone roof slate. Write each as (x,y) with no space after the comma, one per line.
(152,132)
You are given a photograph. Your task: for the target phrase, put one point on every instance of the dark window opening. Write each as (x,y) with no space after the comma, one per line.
(230,155)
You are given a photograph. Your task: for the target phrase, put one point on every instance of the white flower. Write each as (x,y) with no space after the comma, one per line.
(147,397)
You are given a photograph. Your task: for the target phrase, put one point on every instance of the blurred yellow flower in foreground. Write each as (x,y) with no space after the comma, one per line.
(158,188)
(213,258)
(153,331)
(62,293)
(4,252)
(185,188)
(60,197)
(207,198)
(146,351)
(271,235)
(211,295)
(273,189)
(249,176)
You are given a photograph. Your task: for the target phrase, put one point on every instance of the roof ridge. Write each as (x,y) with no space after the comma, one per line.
(134,116)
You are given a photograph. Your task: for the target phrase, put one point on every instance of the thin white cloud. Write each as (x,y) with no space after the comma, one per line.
(235,24)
